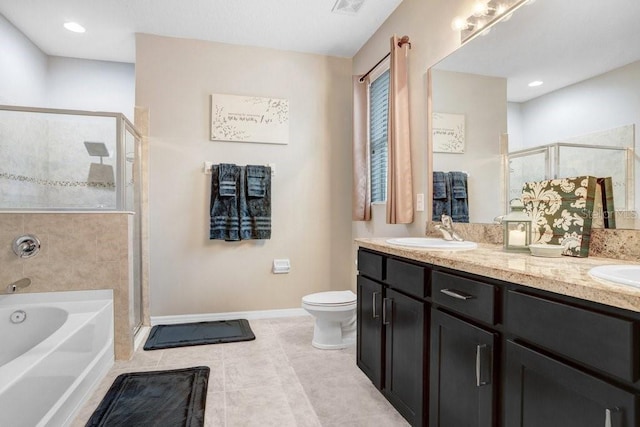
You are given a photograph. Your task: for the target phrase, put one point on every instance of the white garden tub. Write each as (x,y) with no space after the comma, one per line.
(54,349)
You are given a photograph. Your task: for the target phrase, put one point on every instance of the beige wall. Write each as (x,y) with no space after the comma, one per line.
(311,203)
(482,100)
(79,252)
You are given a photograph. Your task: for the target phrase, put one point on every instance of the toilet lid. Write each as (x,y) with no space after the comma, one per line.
(330,298)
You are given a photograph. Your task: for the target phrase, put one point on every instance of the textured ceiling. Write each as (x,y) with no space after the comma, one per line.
(558,42)
(296,25)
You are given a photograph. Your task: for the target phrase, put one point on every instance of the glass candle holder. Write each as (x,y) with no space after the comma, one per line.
(517,228)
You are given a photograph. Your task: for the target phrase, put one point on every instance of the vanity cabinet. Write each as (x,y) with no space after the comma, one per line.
(404,322)
(392,330)
(449,348)
(542,391)
(463,365)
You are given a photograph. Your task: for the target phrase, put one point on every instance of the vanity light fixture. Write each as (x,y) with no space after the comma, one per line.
(486,13)
(536,83)
(74,27)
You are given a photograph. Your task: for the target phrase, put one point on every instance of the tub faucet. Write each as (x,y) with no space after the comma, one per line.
(18,284)
(446,228)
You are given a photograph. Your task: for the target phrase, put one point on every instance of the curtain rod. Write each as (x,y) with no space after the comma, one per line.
(403,40)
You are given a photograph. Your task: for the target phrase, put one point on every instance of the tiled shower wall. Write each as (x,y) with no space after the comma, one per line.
(80,251)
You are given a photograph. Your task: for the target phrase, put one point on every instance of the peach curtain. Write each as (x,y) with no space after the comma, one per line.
(361,191)
(399,174)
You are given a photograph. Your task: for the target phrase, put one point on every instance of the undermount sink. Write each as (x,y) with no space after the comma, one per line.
(622,274)
(432,243)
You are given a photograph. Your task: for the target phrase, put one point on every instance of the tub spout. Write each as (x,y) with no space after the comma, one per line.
(18,284)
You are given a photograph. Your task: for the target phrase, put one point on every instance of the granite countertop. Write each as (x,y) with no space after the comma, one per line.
(564,275)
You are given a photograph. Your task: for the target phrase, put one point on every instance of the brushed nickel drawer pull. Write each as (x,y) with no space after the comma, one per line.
(375,314)
(457,294)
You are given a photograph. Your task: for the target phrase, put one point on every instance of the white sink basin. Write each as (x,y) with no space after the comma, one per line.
(621,274)
(433,243)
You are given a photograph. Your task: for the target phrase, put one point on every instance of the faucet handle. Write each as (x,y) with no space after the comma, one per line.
(446,221)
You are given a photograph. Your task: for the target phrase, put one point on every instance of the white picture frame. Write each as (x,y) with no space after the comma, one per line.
(256,119)
(448,133)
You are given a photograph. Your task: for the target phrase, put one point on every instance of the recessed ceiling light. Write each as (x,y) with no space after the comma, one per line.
(75,27)
(535,83)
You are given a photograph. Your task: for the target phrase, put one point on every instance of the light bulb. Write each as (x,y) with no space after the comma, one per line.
(535,83)
(459,24)
(480,8)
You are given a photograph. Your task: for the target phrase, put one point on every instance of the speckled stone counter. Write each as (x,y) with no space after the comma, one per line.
(565,275)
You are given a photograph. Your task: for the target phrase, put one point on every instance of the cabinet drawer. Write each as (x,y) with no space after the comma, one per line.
(407,277)
(598,340)
(370,264)
(466,296)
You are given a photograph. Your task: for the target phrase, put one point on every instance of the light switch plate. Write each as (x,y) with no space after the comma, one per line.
(420,202)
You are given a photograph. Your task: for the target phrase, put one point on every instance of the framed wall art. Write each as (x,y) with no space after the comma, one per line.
(249,119)
(448,133)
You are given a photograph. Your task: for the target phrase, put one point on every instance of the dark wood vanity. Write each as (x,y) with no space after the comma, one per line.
(449,348)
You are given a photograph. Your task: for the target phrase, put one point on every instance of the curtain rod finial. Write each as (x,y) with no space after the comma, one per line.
(404,40)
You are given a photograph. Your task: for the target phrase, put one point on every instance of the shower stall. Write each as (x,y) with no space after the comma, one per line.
(74,161)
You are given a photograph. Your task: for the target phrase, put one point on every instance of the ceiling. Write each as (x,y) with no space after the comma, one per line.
(296,25)
(558,42)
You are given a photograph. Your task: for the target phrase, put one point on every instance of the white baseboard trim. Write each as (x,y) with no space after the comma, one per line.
(207,317)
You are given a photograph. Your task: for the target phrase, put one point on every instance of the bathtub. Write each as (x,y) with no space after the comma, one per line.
(55,348)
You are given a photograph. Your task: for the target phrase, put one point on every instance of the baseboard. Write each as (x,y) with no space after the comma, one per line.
(207,317)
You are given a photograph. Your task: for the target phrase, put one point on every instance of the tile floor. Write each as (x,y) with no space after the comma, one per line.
(278,379)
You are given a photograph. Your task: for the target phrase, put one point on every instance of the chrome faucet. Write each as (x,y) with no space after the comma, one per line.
(18,284)
(446,228)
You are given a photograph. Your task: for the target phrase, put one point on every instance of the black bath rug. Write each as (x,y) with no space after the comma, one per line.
(186,334)
(174,398)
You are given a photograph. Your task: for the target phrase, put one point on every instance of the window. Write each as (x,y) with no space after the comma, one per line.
(378,112)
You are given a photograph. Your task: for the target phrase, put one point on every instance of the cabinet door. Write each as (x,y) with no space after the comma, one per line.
(369,338)
(404,321)
(541,391)
(462,373)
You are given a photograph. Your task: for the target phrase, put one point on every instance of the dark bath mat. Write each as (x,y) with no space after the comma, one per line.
(175,398)
(186,334)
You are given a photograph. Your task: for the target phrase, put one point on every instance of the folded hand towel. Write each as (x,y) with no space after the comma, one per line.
(256,182)
(255,209)
(459,200)
(439,185)
(228,178)
(225,221)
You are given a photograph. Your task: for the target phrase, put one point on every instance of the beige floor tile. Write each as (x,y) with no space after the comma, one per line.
(259,406)
(214,414)
(279,379)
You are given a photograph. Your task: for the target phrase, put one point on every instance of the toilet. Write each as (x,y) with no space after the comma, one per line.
(335,314)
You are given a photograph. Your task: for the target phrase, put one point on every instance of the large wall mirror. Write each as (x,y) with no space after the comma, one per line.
(583,119)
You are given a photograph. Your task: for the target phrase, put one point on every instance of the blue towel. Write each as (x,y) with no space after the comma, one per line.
(225,221)
(441,195)
(459,198)
(255,207)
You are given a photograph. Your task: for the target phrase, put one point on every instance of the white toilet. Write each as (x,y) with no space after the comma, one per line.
(335,314)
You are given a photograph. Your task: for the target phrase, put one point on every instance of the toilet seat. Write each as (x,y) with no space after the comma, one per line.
(330,299)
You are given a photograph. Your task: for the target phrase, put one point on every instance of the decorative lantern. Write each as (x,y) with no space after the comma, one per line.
(517,228)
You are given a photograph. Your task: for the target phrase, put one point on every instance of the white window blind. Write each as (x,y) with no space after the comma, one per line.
(378,112)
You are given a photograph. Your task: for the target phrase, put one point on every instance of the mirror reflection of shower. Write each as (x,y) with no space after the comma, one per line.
(99,173)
